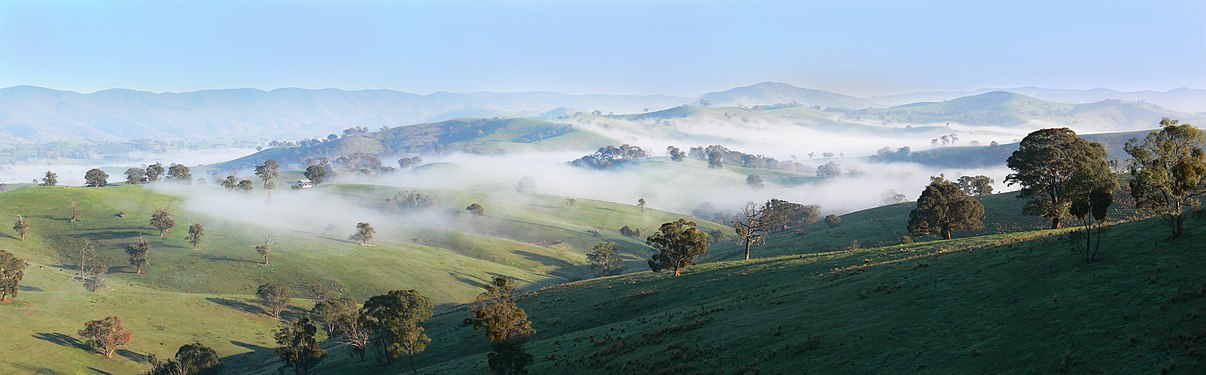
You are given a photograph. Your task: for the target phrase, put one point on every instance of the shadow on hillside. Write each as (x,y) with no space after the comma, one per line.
(26,288)
(259,357)
(237,305)
(226,259)
(61,340)
(559,266)
(6,235)
(98,371)
(610,209)
(108,234)
(48,217)
(136,357)
(464,278)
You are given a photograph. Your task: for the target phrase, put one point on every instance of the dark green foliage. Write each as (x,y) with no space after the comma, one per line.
(297,347)
(179,173)
(675,153)
(163,220)
(275,297)
(830,169)
(195,232)
(676,245)
(754,181)
(715,160)
(718,156)
(329,311)
(791,215)
(976,186)
(190,359)
(319,173)
(476,209)
(230,182)
(140,254)
(51,179)
(105,335)
(506,325)
(943,208)
(833,221)
(396,319)
(627,231)
(96,178)
(1169,170)
(1044,165)
(135,176)
(610,156)
(244,186)
(411,201)
(155,172)
(12,270)
(604,260)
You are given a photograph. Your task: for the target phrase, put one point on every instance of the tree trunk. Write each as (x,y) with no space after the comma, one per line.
(1055,223)
(747,248)
(1178,227)
(138,270)
(412,365)
(677,273)
(946,234)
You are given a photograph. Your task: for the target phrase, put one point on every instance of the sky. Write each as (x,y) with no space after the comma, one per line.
(612,47)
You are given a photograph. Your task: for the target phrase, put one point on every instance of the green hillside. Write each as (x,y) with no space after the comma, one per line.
(978,156)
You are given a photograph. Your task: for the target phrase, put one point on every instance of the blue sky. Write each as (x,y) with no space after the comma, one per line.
(639,47)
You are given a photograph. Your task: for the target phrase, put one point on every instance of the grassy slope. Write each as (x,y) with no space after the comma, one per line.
(207,295)
(1021,303)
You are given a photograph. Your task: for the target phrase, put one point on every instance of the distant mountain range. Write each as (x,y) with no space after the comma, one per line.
(35,114)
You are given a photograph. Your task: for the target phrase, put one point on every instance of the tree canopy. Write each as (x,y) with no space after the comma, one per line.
(1044,165)
(676,245)
(1169,170)
(944,208)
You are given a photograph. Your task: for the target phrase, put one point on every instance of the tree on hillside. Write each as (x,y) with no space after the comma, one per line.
(396,318)
(1169,170)
(676,244)
(976,186)
(190,359)
(715,160)
(51,179)
(1091,199)
(319,173)
(830,169)
(87,252)
(329,310)
(354,330)
(604,260)
(105,335)
(179,173)
(476,209)
(833,221)
(506,325)
(12,270)
(944,208)
(527,185)
(265,249)
(244,186)
(96,178)
(22,227)
(163,220)
(267,172)
(195,232)
(230,182)
(95,278)
(410,162)
(155,172)
(75,212)
(790,215)
(676,154)
(140,254)
(1044,165)
(364,233)
(641,204)
(754,181)
(297,347)
(752,225)
(275,297)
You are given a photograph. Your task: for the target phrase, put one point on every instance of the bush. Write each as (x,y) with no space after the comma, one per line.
(833,221)
(906,239)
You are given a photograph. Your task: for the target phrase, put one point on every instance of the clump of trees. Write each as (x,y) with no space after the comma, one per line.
(604,259)
(833,221)
(136,175)
(718,156)
(155,172)
(976,186)
(410,162)
(396,320)
(675,153)
(506,325)
(179,173)
(411,201)
(676,245)
(754,181)
(275,297)
(296,346)
(630,232)
(319,173)
(1169,169)
(105,335)
(12,270)
(476,209)
(139,253)
(944,208)
(1044,166)
(96,178)
(830,169)
(190,359)
(610,156)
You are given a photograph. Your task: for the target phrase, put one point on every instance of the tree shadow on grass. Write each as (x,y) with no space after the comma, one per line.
(109,234)
(259,357)
(226,259)
(99,371)
(136,357)
(560,266)
(24,288)
(237,305)
(61,340)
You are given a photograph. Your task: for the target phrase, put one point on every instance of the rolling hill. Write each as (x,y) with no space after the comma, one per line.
(771,93)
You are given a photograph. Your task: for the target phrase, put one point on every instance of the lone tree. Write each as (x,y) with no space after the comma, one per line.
(51,179)
(754,181)
(297,347)
(195,232)
(96,178)
(155,172)
(163,221)
(75,212)
(190,359)
(506,325)
(676,154)
(275,297)
(476,209)
(604,260)
(265,249)
(22,227)
(179,173)
(1169,171)
(12,270)
(268,171)
(753,224)
(105,335)
(977,186)
(833,221)
(943,208)
(140,254)
(364,232)
(319,173)
(641,204)
(396,319)
(1044,165)
(677,244)
(135,176)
